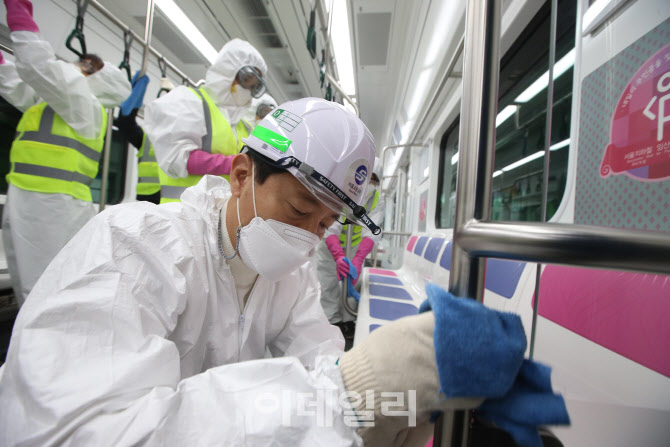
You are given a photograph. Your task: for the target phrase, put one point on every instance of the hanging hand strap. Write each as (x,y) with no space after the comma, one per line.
(162,65)
(78,31)
(127,42)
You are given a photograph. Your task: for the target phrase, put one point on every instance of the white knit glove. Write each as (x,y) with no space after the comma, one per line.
(398,357)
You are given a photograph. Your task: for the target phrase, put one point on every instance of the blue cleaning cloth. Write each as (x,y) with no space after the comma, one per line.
(529,403)
(479,352)
(353,274)
(134,101)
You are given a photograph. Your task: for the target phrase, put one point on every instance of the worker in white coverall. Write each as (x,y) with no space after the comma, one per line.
(198,132)
(330,260)
(56,153)
(259,108)
(151,326)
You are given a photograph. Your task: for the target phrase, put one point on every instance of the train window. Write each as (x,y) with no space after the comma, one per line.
(520,131)
(446,193)
(117,171)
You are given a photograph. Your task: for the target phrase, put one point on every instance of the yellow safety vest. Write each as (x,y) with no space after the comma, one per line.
(219,139)
(49,156)
(357,229)
(147,170)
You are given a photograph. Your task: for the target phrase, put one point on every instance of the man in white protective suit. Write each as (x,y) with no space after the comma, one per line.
(151,326)
(198,132)
(58,145)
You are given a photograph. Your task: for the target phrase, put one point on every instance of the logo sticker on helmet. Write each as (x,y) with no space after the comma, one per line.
(355,179)
(361,174)
(286,120)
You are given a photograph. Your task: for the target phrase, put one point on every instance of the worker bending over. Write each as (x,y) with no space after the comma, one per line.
(151,326)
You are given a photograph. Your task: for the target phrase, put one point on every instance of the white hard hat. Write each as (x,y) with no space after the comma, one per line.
(327,148)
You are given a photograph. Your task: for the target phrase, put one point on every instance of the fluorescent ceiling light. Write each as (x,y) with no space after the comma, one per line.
(560,145)
(342,47)
(506,113)
(497,173)
(454,159)
(187,28)
(593,12)
(542,82)
(523,161)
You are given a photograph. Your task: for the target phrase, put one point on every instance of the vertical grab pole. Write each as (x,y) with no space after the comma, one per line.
(347,253)
(147,37)
(105,158)
(545,177)
(476,144)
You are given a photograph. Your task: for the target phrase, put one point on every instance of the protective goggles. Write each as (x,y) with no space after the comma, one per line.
(263,110)
(324,190)
(249,78)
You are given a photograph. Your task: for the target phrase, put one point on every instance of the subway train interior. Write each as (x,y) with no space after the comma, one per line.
(591,155)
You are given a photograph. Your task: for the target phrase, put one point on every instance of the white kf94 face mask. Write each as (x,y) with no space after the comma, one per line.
(273,249)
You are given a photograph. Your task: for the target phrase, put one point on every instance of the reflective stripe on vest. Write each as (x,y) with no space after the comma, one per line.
(44,135)
(171,192)
(148,182)
(219,139)
(357,230)
(49,156)
(54,173)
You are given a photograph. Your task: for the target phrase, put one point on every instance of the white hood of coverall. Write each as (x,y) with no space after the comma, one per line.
(220,76)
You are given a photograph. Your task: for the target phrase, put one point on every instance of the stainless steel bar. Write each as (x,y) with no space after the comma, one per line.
(345,293)
(545,177)
(334,83)
(476,143)
(6,49)
(578,245)
(396,233)
(105,159)
(105,12)
(148,27)
(449,73)
(394,146)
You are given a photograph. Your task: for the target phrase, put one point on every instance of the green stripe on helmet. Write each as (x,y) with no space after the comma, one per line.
(275,140)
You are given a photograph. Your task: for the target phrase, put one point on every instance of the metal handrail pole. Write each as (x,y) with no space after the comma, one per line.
(476,144)
(106,153)
(567,244)
(394,146)
(334,83)
(449,73)
(345,291)
(6,49)
(547,157)
(148,27)
(112,18)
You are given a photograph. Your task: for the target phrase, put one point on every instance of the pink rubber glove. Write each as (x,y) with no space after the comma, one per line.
(364,248)
(333,244)
(201,163)
(2,59)
(20,16)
